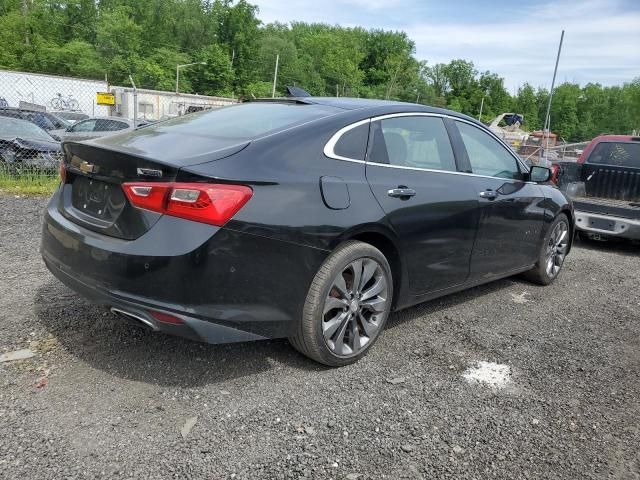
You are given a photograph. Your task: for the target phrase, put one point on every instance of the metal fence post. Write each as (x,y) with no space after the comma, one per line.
(135,102)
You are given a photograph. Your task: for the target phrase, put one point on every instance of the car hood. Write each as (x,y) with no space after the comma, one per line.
(32,144)
(178,149)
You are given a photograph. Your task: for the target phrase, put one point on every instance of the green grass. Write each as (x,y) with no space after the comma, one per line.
(28,184)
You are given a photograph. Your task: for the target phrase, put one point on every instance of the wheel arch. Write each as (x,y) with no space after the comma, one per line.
(387,242)
(572,227)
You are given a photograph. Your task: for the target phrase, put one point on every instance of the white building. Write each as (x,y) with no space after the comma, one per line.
(41,90)
(157,105)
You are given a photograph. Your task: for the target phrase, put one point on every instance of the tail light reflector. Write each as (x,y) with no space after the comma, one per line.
(212,203)
(63,172)
(166,318)
(555,170)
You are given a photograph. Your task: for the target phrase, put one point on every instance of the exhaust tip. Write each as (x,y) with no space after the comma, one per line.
(135,319)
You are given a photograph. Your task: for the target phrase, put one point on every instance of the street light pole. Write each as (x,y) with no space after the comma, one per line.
(178,67)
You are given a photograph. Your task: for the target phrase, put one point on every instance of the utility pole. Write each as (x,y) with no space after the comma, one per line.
(25,11)
(545,141)
(481,107)
(275,77)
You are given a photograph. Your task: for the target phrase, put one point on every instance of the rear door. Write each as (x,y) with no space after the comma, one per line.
(511,208)
(413,174)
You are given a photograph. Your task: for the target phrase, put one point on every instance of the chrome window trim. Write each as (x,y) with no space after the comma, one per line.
(329,146)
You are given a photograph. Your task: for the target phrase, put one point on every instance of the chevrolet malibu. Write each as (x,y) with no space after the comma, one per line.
(305,218)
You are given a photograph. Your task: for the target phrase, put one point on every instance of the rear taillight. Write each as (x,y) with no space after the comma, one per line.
(63,172)
(212,203)
(555,170)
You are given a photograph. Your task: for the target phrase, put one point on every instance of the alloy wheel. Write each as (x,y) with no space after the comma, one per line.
(557,248)
(355,307)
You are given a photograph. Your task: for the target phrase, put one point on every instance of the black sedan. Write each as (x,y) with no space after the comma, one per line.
(24,144)
(307,218)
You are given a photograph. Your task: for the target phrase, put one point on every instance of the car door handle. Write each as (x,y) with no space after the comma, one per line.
(489,195)
(401,192)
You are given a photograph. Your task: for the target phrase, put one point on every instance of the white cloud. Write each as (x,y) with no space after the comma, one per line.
(602,39)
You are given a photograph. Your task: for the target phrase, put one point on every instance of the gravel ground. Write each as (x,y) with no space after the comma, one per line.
(102,399)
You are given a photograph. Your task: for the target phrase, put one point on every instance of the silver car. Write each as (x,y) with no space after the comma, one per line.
(96,127)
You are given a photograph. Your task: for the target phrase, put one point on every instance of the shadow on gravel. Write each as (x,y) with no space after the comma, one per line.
(427,308)
(106,343)
(614,245)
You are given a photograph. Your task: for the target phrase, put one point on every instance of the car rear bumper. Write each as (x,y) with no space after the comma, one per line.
(225,286)
(607,225)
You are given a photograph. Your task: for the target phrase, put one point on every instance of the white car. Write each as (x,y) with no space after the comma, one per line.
(96,127)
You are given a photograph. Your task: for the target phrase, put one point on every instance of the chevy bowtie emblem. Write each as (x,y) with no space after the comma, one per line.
(149,172)
(87,167)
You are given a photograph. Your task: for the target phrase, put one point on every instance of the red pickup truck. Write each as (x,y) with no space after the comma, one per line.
(604,185)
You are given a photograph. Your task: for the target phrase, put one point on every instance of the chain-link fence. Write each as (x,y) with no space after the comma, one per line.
(38,112)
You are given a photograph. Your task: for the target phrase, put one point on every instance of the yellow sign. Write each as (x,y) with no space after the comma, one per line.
(104,98)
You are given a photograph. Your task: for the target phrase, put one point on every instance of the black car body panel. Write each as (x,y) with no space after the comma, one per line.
(249,278)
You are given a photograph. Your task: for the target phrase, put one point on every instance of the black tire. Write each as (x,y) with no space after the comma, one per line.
(540,273)
(309,338)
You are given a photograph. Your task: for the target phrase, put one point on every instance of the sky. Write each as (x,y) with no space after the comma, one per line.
(517,40)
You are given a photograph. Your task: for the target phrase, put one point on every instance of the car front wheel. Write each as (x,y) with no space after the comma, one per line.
(347,305)
(553,251)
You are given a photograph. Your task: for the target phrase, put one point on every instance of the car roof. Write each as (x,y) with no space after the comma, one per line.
(104,117)
(17,120)
(377,107)
(613,138)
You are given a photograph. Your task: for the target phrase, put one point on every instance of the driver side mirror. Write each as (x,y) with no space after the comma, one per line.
(539,174)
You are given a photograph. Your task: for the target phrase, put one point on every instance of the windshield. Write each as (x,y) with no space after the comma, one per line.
(245,121)
(12,127)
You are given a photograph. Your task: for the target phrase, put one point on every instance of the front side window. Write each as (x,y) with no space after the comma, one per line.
(486,155)
(412,141)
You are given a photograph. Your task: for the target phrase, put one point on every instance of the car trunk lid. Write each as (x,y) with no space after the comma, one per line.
(92,194)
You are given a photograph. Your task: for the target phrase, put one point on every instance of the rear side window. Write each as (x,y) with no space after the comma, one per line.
(618,154)
(103,125)
(244,121)
(353,143)
(417,142)
(486,155)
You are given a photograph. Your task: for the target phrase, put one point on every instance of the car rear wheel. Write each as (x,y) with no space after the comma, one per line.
(347,305)
(552,252)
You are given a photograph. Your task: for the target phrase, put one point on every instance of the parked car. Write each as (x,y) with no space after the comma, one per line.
(23,144)
(307,218)
(97,127)
(71,117)
(605,187)
(47,121)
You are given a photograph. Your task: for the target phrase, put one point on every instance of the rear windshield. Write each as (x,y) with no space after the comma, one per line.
(618,154)
(12,127)
(245,121)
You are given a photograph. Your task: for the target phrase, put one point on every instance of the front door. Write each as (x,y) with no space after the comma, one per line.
(511,209)
(413,174)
